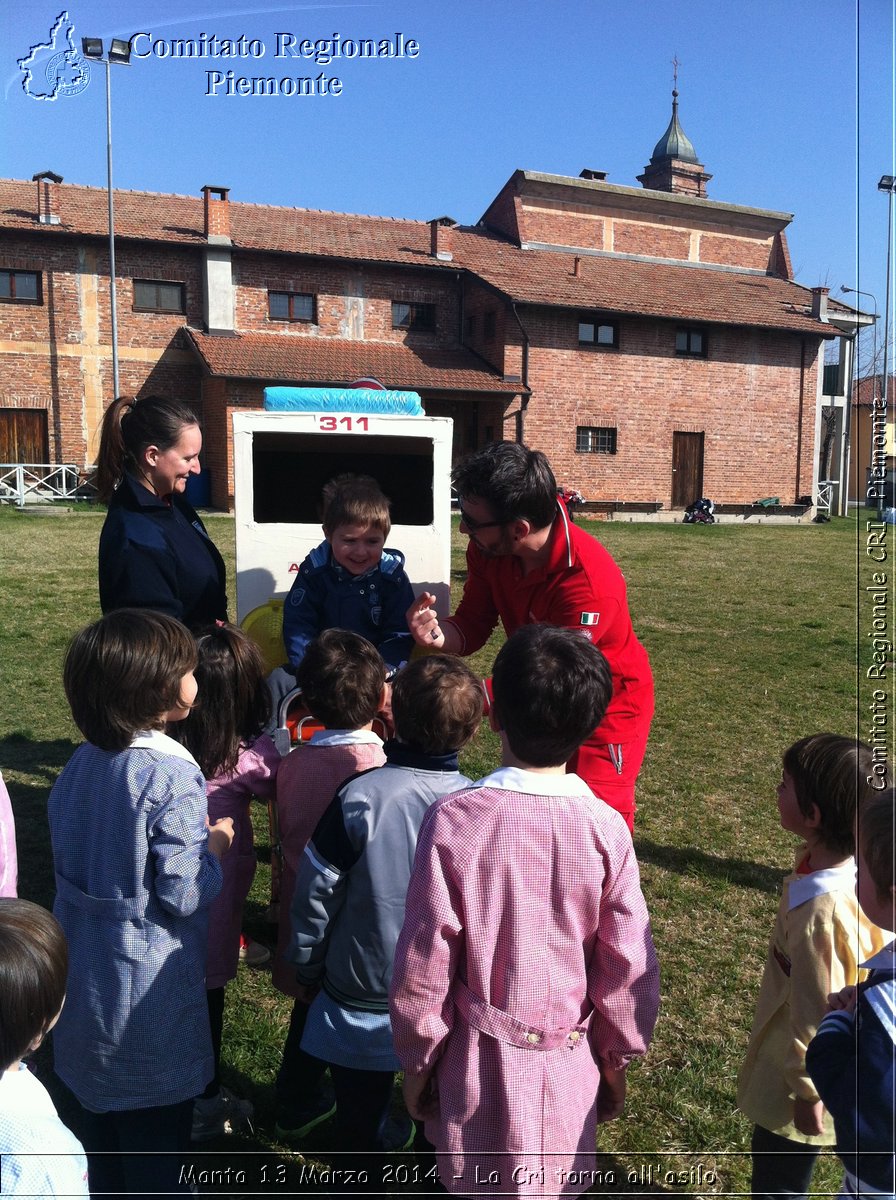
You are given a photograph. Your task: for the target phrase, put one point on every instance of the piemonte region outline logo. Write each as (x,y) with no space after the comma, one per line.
(56,67)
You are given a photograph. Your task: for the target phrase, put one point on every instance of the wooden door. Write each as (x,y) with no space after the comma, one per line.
(23,435)
(687,468)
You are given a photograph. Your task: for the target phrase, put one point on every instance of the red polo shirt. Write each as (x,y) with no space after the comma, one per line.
(580,587)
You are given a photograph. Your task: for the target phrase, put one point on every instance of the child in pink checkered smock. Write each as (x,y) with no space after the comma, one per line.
(525,978)
(343,682)
(224,734)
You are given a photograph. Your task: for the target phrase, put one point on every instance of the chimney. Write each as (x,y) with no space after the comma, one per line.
(217,282)
(577,266)
(440,231)
(47,197)
(820,303)
(589,174)
(217,212)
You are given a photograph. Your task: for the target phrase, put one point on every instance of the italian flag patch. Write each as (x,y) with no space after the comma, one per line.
(589,618)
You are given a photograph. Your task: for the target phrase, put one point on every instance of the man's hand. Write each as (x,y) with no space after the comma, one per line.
(420,1096)
(423,622)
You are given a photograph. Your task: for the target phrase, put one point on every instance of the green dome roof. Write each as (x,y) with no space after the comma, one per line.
(674,143)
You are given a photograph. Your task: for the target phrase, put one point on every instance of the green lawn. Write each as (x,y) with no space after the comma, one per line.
(752,633)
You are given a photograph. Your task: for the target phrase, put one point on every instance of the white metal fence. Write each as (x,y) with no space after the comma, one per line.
(40,483)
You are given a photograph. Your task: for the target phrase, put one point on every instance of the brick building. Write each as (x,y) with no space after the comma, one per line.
(650,340)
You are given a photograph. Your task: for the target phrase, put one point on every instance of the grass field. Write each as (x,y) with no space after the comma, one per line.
(752,633)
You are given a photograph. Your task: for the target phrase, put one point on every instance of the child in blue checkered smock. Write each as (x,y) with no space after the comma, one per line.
(137,866)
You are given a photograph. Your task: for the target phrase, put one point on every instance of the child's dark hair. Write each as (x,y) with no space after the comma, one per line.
(33,971)
(436,704)
(876,826)
(342,677)
(551,688)
(129,427)
(123,673)
(233,704)
(831,772)
(355,500)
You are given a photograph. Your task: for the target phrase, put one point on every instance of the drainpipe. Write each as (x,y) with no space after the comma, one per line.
(524,399)
(799,428)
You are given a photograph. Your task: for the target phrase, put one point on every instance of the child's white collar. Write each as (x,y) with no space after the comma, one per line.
(534,783)
(154,739)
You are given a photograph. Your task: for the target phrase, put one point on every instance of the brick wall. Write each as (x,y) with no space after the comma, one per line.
(745,398)
(353,301)
(482,306)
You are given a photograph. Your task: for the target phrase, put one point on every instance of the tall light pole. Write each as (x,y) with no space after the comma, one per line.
(119,53)
(887,183)
(844,500)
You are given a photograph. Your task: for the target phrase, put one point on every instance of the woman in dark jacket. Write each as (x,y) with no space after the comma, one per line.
(154,549)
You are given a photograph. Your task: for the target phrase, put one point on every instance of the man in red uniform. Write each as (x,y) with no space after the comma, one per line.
(527,563)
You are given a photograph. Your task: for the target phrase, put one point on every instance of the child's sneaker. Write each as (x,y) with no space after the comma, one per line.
(252,953)
(397,1133)
(293,1124)
(221,1115)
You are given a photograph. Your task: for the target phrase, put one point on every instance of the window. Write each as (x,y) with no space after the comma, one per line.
(470,326)
(691,341)
(598,332)
(488,326)
(415,317)
(20,287)
(291,306)
(151,295)
(595,439)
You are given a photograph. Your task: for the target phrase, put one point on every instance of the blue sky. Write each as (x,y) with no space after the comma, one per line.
(789,104)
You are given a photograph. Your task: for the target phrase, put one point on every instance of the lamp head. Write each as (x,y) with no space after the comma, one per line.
(119,51)
(92,47)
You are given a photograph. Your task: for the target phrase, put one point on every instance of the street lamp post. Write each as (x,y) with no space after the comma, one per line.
(119,53)
(887,183)
(847,432)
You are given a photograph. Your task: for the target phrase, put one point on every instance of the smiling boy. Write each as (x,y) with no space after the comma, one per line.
(350,581)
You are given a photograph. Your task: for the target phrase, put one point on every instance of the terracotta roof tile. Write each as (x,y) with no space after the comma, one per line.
(311,360)
(614,284)
(606,282)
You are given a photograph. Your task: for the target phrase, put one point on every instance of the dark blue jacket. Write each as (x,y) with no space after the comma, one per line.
(852,1062)
(326,596)
(158,555)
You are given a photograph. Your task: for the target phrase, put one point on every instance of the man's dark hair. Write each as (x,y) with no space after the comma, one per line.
(833,773)
(513,480)
(123,673)
(436,704)
(33,972)
(551,690)
(342,677)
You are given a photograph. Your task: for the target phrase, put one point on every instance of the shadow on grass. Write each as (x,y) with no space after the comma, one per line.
(42,762)
(688,860)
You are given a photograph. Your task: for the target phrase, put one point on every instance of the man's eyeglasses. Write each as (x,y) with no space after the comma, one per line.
(475,526)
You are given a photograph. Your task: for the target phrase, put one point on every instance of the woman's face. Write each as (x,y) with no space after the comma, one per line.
(167,471)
